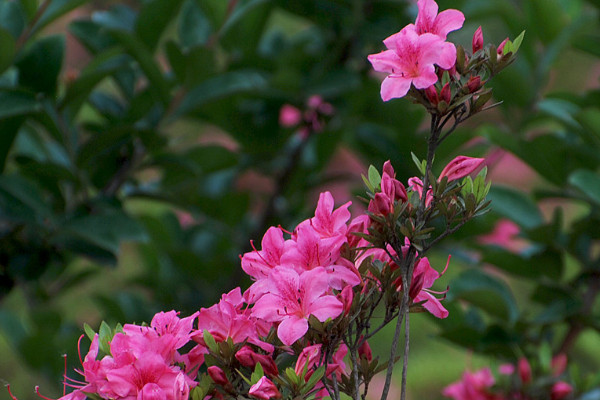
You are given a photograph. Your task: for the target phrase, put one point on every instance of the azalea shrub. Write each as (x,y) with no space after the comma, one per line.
(102,165)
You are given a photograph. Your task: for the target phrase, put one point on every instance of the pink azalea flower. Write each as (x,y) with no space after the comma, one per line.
(307,359)
(410,60)
(429,21)
(524,369)
(473,386)
(264,389)
(258,263)
(292,298)
(477,40)
(328,222)
(227,319)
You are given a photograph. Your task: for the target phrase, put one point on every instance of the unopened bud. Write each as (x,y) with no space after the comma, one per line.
(560,390)
(474,84)
(445,93)
(478,40)
(432,95)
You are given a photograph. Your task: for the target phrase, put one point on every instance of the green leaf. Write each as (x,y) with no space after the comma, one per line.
(516,206)
(9,129)
(12,18)
(142,55)
(106,231)
(89,331)
(239,13)
(194,27)
(517,42)
(588,182)
(40,65)
(105,335)
(56,9)
(8,46)
(221,86)
(486,292)
(153,19)
(22,200)
(210,342)
(374,176)
(257,374)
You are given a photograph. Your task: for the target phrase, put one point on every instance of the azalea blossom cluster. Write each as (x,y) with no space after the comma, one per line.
(311,290)
(302,329)
(442,76)
(517,382)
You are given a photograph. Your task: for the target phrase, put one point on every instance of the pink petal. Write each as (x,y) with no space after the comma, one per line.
(426,17)
(432,304)
(385,61)
(448,21)
(326,307)
(426,78)
(314,283)
(394,87)
(291,329)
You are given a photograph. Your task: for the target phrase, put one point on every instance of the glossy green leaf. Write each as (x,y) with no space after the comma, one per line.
(194,27)
(486,292)
(11,18)
(220,86)
(588,183)
(153,19)
(8,46)
(515,205)
(54,10)
(40,65)
(26,199)
(148,64)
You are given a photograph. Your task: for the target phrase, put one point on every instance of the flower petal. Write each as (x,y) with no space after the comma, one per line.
(292,329)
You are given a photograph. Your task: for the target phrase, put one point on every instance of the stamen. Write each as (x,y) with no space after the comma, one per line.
(9,393)
(79,349)
(447,263)
(65,376)
(37,391)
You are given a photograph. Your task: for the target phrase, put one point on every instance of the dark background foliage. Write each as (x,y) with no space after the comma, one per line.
(140,151)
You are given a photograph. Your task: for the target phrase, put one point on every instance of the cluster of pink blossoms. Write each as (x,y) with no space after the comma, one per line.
(311,273)
(413,52)
(480,385)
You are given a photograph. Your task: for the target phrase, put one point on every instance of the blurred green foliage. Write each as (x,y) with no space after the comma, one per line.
(149,113)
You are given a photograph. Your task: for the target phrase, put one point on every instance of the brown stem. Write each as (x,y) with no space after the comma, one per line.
(29,30)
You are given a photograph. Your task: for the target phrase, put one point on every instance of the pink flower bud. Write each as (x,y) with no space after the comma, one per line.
(249,358)
(560,390)
(478,40)
(559,364)
(345,297)
(289,116)
(380,205)
(308,358)
(314,101)
(460,167)
(365,351)
(388,169)
(501,46)
(474,83)
(446,94)
(264,389)
(432,95)
(524,370)
(218,375)
(506,369)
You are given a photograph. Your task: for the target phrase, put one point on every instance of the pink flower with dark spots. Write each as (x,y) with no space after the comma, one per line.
(410,60)
(292,298)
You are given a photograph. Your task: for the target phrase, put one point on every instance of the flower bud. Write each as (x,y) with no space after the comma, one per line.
(560,390)
(289,116)
(500,49)
(559,364)
(524,370)
(380,205)
(249,358)
(218,375)
(346,297)
(477,40)
(474,84)
(445,93)
(264,389)
(364,351)
(432,95)
(460,167)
